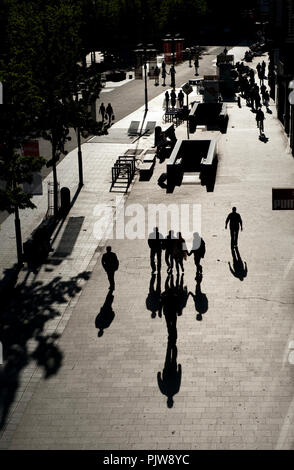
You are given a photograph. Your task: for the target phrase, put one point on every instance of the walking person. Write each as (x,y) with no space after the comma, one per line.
(266,98)
(181,98)
(109,112)
(235,221)
(110,263)
(172,72)
(163,73)
(102,111)
(198,250)
(173,98)
(180,252)
(156,75)
(196,66)
(169,243)
(155,243)
(166,99)
(259,120)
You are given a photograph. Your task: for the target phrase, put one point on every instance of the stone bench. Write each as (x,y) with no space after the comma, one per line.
(208,114)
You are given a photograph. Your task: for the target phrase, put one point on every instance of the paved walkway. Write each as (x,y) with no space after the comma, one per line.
(236,388)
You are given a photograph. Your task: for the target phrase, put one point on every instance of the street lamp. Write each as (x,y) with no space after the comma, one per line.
(144,51)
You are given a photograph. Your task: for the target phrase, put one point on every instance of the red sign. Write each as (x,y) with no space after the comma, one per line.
(31,149)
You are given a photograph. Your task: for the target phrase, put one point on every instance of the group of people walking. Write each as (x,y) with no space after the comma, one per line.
(106,113)
(175,250)
(171,97)
(254,94)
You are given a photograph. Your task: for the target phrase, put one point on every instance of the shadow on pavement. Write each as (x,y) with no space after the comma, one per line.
(200,299)
(239,269)
(22,323)
(106,314)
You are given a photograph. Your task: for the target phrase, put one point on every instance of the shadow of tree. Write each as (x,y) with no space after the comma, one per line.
(23,319)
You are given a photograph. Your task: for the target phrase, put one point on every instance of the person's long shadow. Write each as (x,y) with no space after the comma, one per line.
(23,318)
(169,380)
(153,300)
(106,314)
(239,268)
(182,293)
(200,299)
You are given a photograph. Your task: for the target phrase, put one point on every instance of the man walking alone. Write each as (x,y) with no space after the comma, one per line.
(235,221)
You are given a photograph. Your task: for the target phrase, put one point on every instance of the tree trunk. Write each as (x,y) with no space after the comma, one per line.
(55,183)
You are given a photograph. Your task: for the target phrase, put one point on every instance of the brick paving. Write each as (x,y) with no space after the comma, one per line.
(236,388)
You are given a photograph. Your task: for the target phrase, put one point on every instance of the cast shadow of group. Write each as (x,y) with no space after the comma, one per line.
(171,303)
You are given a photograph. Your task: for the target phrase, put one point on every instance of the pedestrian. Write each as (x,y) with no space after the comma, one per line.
(169,243)
(263,65)
(259,120)
(235,221)
(180,252)
(163,72)
(198,250)
(110,263)
(102,111)
(266,98)
(225,50)
(181,98)
(109,112)
(172,72)
(173,98)
(262,90)
(166,99)
(258,67)
(196,65)
(261,76)
(156,75)
(155,242)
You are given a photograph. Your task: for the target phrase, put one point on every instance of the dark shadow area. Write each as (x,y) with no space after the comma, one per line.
(169,380)
(211,178)
(182,293)
(68,240)
(239,269)
(22,323)
(153,300)
(106,314)
(263,138)
(8,281)
(200,299)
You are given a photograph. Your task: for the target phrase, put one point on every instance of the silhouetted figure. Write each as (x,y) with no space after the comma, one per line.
(180,252)
(153,301)
(156,75)
(110,263)
(239,269)
(263,65)
(173,98)
(225,51)
(102,111)
(166,94)
(181,98)
(196,66)
(235,221)
(198,250)
(155,242)
(266,98)
(259,120)
(109,112)
(106,315)
(200,299)
(163,73)
(169,381)
(169,244)
(172,72)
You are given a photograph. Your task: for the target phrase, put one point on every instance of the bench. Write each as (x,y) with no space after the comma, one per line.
(191,156)
(147,165)
(213,115)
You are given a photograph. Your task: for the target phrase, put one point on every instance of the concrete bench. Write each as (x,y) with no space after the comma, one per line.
(191,156)
(208,114)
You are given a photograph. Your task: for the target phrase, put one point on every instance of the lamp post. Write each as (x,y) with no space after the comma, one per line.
(80,162)
(291,101)
(144,50)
